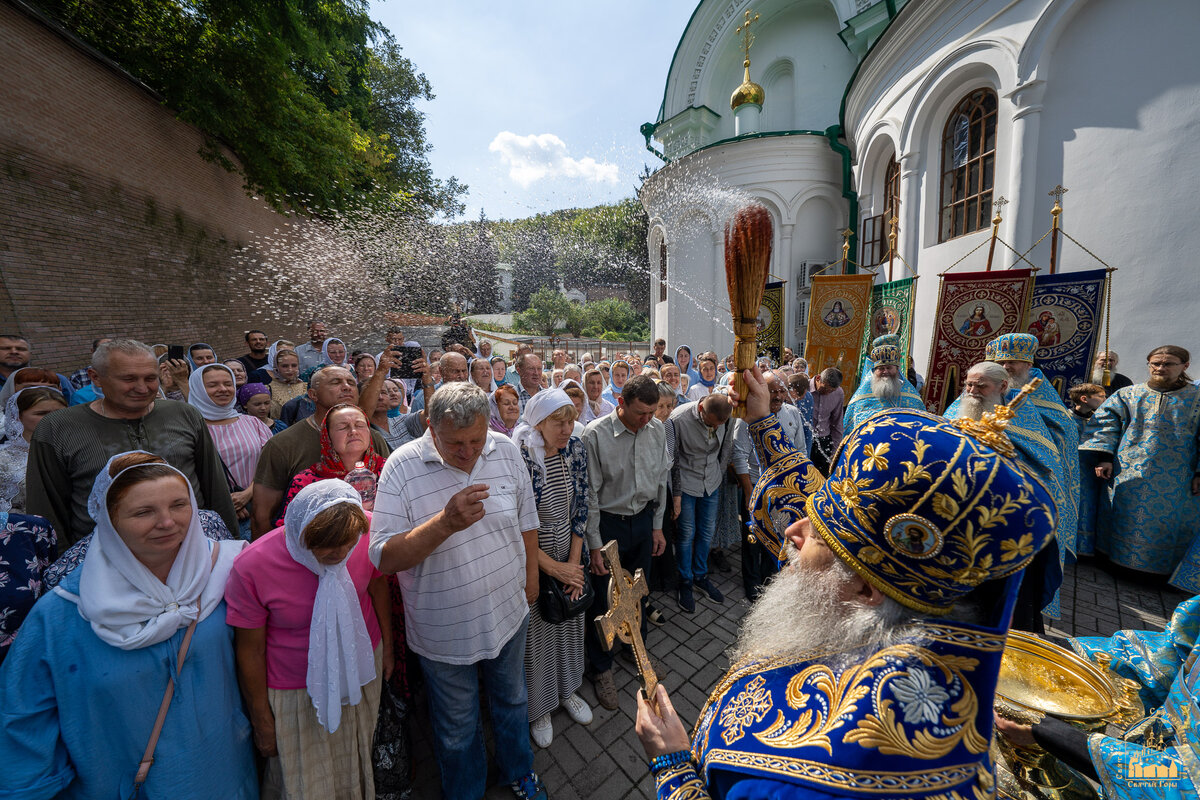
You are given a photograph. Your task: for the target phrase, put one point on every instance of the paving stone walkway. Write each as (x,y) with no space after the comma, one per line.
(604,760)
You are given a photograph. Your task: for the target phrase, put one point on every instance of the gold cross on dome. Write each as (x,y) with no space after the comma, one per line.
(623,620)
(747,36)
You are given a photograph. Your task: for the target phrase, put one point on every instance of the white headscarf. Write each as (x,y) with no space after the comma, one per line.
(14,430)
(340,656)
(325,352)
(537,408)
(491,378)
(198,398)
(126,605)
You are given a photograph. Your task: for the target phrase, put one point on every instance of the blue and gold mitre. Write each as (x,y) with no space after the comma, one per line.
(886,354)
(1011,347)
(926,510)
(788,479)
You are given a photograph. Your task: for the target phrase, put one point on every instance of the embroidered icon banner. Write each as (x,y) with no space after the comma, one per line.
(1065,316)
(770,322)
(837,317)
(891,312)
(973,308)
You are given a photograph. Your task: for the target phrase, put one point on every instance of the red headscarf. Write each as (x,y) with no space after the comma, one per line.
(330,465)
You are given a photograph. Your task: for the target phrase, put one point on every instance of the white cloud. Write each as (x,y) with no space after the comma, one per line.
(531,158)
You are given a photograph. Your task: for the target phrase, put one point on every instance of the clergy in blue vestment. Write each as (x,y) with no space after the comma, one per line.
(883,384)
(90,667)
(985,388)
(868,666)
(1015,352)
(1147,438)
(1157,757)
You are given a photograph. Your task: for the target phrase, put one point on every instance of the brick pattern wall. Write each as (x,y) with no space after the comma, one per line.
(111,223)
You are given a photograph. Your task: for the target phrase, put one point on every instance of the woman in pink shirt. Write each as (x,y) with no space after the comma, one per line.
(313,638)
(239,438)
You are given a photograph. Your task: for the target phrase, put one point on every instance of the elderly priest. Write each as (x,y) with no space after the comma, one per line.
(883,385)
(868,667)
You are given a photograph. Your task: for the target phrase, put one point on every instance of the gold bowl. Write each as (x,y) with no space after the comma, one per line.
(1040,676)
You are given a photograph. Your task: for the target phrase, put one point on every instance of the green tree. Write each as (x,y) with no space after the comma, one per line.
(547,308)
(311,95)
(533,266)
(615,317)
(477,278)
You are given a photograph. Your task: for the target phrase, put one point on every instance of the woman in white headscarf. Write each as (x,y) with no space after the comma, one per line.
(83,682)
(557,465)
(334,354)
(239,438)
(313,622)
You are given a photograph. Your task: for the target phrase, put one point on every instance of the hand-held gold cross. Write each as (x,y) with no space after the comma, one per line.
(623,620)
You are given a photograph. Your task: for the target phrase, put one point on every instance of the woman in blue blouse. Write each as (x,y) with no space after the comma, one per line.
(84,680)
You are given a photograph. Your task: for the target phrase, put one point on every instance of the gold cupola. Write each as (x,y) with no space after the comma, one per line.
(748,92)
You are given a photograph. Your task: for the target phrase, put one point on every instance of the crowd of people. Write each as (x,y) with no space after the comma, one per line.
(320,532)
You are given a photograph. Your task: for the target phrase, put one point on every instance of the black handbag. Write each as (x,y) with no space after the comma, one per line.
(555,605)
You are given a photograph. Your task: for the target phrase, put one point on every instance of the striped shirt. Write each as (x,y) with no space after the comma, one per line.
(239,444)
(465,601)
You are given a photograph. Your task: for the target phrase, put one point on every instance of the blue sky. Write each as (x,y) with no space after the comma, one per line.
(538,104)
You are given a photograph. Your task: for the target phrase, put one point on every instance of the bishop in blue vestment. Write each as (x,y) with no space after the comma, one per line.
(868,666)
(883,384)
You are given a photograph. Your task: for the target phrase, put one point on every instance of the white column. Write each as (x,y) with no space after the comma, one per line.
(783,268)
(1021,228)
(745,119)
(909,239)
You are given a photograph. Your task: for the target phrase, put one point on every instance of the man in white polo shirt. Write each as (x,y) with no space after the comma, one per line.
(456,520)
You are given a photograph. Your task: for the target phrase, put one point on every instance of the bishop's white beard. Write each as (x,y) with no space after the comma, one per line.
(971,407)
(798,613)
(1098,375)
(1017,384)
(886,390)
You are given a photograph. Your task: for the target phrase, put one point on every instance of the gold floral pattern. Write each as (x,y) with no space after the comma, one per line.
(747,708)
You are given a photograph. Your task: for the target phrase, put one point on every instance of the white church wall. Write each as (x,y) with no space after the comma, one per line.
(1090,95)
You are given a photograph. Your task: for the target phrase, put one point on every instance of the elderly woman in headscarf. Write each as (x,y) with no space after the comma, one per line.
(480,372)
(239,438)
(283,377)
(333,353)
(499,370)
(201,354)
(137,630)
(505,405)
(313,626)
(558,467)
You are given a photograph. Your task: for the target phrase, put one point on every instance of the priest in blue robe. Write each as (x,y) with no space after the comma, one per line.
(1157,757)
(868,666)
(1147,441)
(985,388)
(883,384)
(1015,352)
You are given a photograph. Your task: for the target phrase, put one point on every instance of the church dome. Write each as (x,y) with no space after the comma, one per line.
(748,92)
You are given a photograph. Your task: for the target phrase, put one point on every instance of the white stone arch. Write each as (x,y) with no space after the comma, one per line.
(982,63)
(882,144)
(821,190)
(779,83)
(1032,64)
(773,202)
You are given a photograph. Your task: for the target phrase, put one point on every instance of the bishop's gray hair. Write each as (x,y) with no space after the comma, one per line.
(459,404)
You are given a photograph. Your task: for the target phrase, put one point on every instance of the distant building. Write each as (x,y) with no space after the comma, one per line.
(506,287)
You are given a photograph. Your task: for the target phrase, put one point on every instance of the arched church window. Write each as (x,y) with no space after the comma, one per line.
(968,165)
(873,237)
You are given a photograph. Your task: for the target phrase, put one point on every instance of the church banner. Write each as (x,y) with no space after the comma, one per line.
(837,317)
(1065,316)
(973,308)
(891,312)
(770,322)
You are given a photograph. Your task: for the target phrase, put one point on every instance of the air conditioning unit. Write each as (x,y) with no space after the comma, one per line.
(802,314)
(807,270)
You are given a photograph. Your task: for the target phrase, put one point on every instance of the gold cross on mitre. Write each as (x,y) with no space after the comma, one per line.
(623,620)
(747,36)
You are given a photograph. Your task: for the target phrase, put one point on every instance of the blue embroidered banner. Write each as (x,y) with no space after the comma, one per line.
(1065,317)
